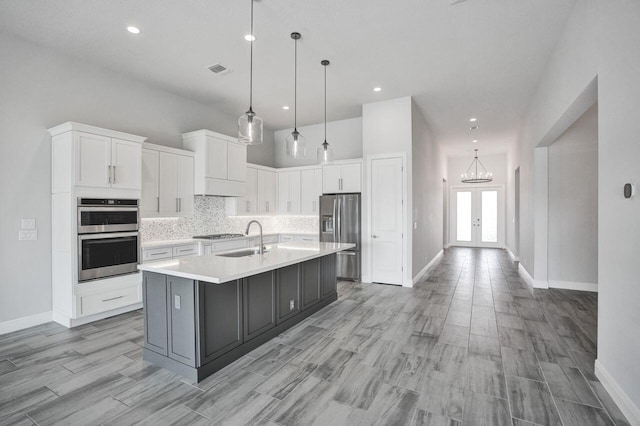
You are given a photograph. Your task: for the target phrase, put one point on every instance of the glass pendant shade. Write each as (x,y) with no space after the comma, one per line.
(250,128)
(325,153)
(296,145)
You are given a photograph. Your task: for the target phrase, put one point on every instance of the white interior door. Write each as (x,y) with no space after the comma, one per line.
(477,217)
(386,220)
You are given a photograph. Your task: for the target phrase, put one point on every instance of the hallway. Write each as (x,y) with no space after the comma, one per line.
(468,345)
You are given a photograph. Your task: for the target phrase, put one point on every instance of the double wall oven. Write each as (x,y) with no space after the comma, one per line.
(108,238)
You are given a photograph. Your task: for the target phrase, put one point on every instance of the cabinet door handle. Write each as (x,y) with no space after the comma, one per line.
(158,204)
(114,173)
(109,174)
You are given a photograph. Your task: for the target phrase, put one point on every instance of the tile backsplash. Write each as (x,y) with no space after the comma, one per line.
(209,218)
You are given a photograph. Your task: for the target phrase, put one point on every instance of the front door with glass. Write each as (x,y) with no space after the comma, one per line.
(477,216)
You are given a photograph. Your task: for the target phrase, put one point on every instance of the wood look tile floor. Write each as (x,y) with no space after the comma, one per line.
(470,344)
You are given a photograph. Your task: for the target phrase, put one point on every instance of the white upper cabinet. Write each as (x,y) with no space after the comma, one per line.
(167,182)
(220,163)
(342,178)
(267,191)
(88,156)
(150,199)
(289,192)
(92,160)
(311,190)
(185,185)
(125,164)
(261,193)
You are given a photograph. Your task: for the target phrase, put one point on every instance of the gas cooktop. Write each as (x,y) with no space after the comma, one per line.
(218,236)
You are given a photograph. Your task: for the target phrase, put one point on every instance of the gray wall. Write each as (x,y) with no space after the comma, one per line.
(428,171)
(600,40)
(573,202)
(345,136)
(39,89)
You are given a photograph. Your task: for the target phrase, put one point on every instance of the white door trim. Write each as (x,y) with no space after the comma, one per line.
(407,279)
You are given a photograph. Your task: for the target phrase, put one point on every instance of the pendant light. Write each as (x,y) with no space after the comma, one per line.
(296,143)
(325,152)
(473,175)
(249,124)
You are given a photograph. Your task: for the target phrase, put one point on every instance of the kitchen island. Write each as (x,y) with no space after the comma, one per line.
(201,313)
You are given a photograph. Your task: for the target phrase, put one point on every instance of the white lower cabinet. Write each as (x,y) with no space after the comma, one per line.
(101,302)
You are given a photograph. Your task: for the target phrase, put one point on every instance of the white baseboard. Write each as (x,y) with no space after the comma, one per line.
(619,396)
(570,285)
(424,270)
(75,322)
(513,257)
(24,322)
(529,279)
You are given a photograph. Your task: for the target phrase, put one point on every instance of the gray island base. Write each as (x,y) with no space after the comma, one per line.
(194,328)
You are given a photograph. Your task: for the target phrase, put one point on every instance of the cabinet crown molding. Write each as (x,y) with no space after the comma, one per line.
(73,126)
(211,133)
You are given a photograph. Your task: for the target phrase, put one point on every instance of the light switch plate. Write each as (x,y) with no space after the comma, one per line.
(27,235)
(28,224)
(292,305)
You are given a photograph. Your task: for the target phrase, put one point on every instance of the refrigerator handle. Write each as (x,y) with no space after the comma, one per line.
(339,219)
(335,214)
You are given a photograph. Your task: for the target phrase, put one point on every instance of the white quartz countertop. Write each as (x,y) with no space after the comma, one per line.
(218,269)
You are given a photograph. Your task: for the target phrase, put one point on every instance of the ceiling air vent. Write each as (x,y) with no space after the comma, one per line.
(452,2)
(219,69)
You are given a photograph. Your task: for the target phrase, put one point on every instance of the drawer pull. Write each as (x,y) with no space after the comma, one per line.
(113,298)
(159,253)
(184,250)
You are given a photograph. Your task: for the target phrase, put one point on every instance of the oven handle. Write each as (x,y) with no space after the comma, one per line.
(107,209)
(83,237)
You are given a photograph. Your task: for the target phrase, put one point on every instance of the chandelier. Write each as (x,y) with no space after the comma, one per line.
(475,175)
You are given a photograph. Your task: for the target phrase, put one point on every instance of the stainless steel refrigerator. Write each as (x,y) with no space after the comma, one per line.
(340,223)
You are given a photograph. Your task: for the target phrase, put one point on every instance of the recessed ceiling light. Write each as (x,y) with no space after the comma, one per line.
(473,120)
(250,37)
(377,89)
(285,107)
(133,30)
(475,141)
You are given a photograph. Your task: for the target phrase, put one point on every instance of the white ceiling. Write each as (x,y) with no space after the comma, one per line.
(478,58)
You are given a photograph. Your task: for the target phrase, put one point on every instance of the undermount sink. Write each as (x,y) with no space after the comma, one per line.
(243,252)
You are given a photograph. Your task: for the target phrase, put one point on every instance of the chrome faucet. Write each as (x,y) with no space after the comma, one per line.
(261,249)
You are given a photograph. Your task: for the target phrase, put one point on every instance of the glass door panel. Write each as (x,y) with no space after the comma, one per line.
(463,213)
(489,218)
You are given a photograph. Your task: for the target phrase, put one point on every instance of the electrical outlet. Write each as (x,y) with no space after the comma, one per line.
(176,301)
(28,224)
(27,235)
(415,225)
(292,305)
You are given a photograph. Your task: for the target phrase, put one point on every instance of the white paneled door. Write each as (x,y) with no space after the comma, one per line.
(386,220)
(477,216)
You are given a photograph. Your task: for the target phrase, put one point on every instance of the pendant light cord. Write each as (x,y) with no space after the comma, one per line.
(251,63)
(325,103)
(295,84)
